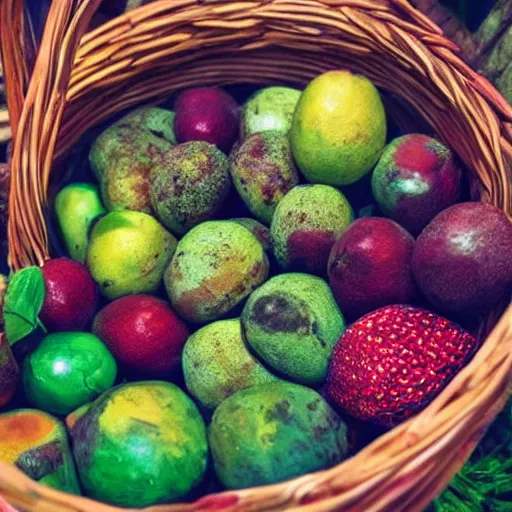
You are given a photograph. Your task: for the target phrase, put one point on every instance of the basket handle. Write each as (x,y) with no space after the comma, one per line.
(36,117)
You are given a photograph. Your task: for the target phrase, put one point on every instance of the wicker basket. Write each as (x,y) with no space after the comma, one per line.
(142,57)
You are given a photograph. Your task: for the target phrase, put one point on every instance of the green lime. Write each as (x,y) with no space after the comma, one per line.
(67,370)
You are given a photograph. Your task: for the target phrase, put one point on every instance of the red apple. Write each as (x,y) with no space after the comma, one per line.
(371,266)
(71,296)
(207,114)
(143,333)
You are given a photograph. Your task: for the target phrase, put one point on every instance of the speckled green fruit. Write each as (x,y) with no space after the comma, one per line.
(139,444)
(275,432)
(292,323)
(37,444)
(269,109)
(306,223)
(338,129)
(76,207)
(216,265)
(261,232)
(217,363)
(67,370)
(189,184)
(263,171)
(124,154)
(128,253)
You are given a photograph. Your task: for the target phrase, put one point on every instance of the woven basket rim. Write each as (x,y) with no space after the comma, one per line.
(409,474)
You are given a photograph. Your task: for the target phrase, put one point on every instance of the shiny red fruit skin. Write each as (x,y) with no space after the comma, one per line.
(394,361)
(370,266)
(462,260)
(143,333)
(71,297)
(208,114)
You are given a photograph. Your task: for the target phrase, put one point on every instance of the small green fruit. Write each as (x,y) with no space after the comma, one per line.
(128,253)
(37,444)
(67,370)
(188,184)
(124,154)
(292,323)
(217,363)
(216,265)
(269,109)
(275,432)
(76,207)
(139,444)
(338,129)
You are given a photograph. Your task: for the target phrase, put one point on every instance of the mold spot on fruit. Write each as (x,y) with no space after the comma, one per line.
(276,313)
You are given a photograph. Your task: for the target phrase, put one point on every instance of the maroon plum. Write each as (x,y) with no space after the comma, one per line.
(207,114)
(461,260)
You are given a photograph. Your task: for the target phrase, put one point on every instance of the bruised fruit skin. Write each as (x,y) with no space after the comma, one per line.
(271,108)
(189,184)
(263,171)
(215,266)
(261,232)
(462,259)
(139,444)
(67,370)
(338,128)
(37,444)
(143,333)
(393,362)
(71,295)
(292,323)
(128,253)
(217,363)
(415,178)
(306,223)
(370,266)
(123,155)
(208,114)
(274,432)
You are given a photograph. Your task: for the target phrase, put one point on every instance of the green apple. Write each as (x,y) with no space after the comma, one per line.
(76,207)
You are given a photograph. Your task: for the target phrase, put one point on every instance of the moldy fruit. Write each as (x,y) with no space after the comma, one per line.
(292,322)
(263,171)
(415,179)
(216,265)
(139,444)
(274,432)
(217,363)
(188,184)
(306,223)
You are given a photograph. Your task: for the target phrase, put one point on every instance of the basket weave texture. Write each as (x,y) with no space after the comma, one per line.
(143,56)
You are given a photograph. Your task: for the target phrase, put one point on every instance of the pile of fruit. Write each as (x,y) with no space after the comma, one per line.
(223,298)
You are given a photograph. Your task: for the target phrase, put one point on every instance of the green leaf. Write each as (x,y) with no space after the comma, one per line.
(23,302)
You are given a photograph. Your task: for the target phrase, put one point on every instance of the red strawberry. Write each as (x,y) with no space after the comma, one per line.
(394,361)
